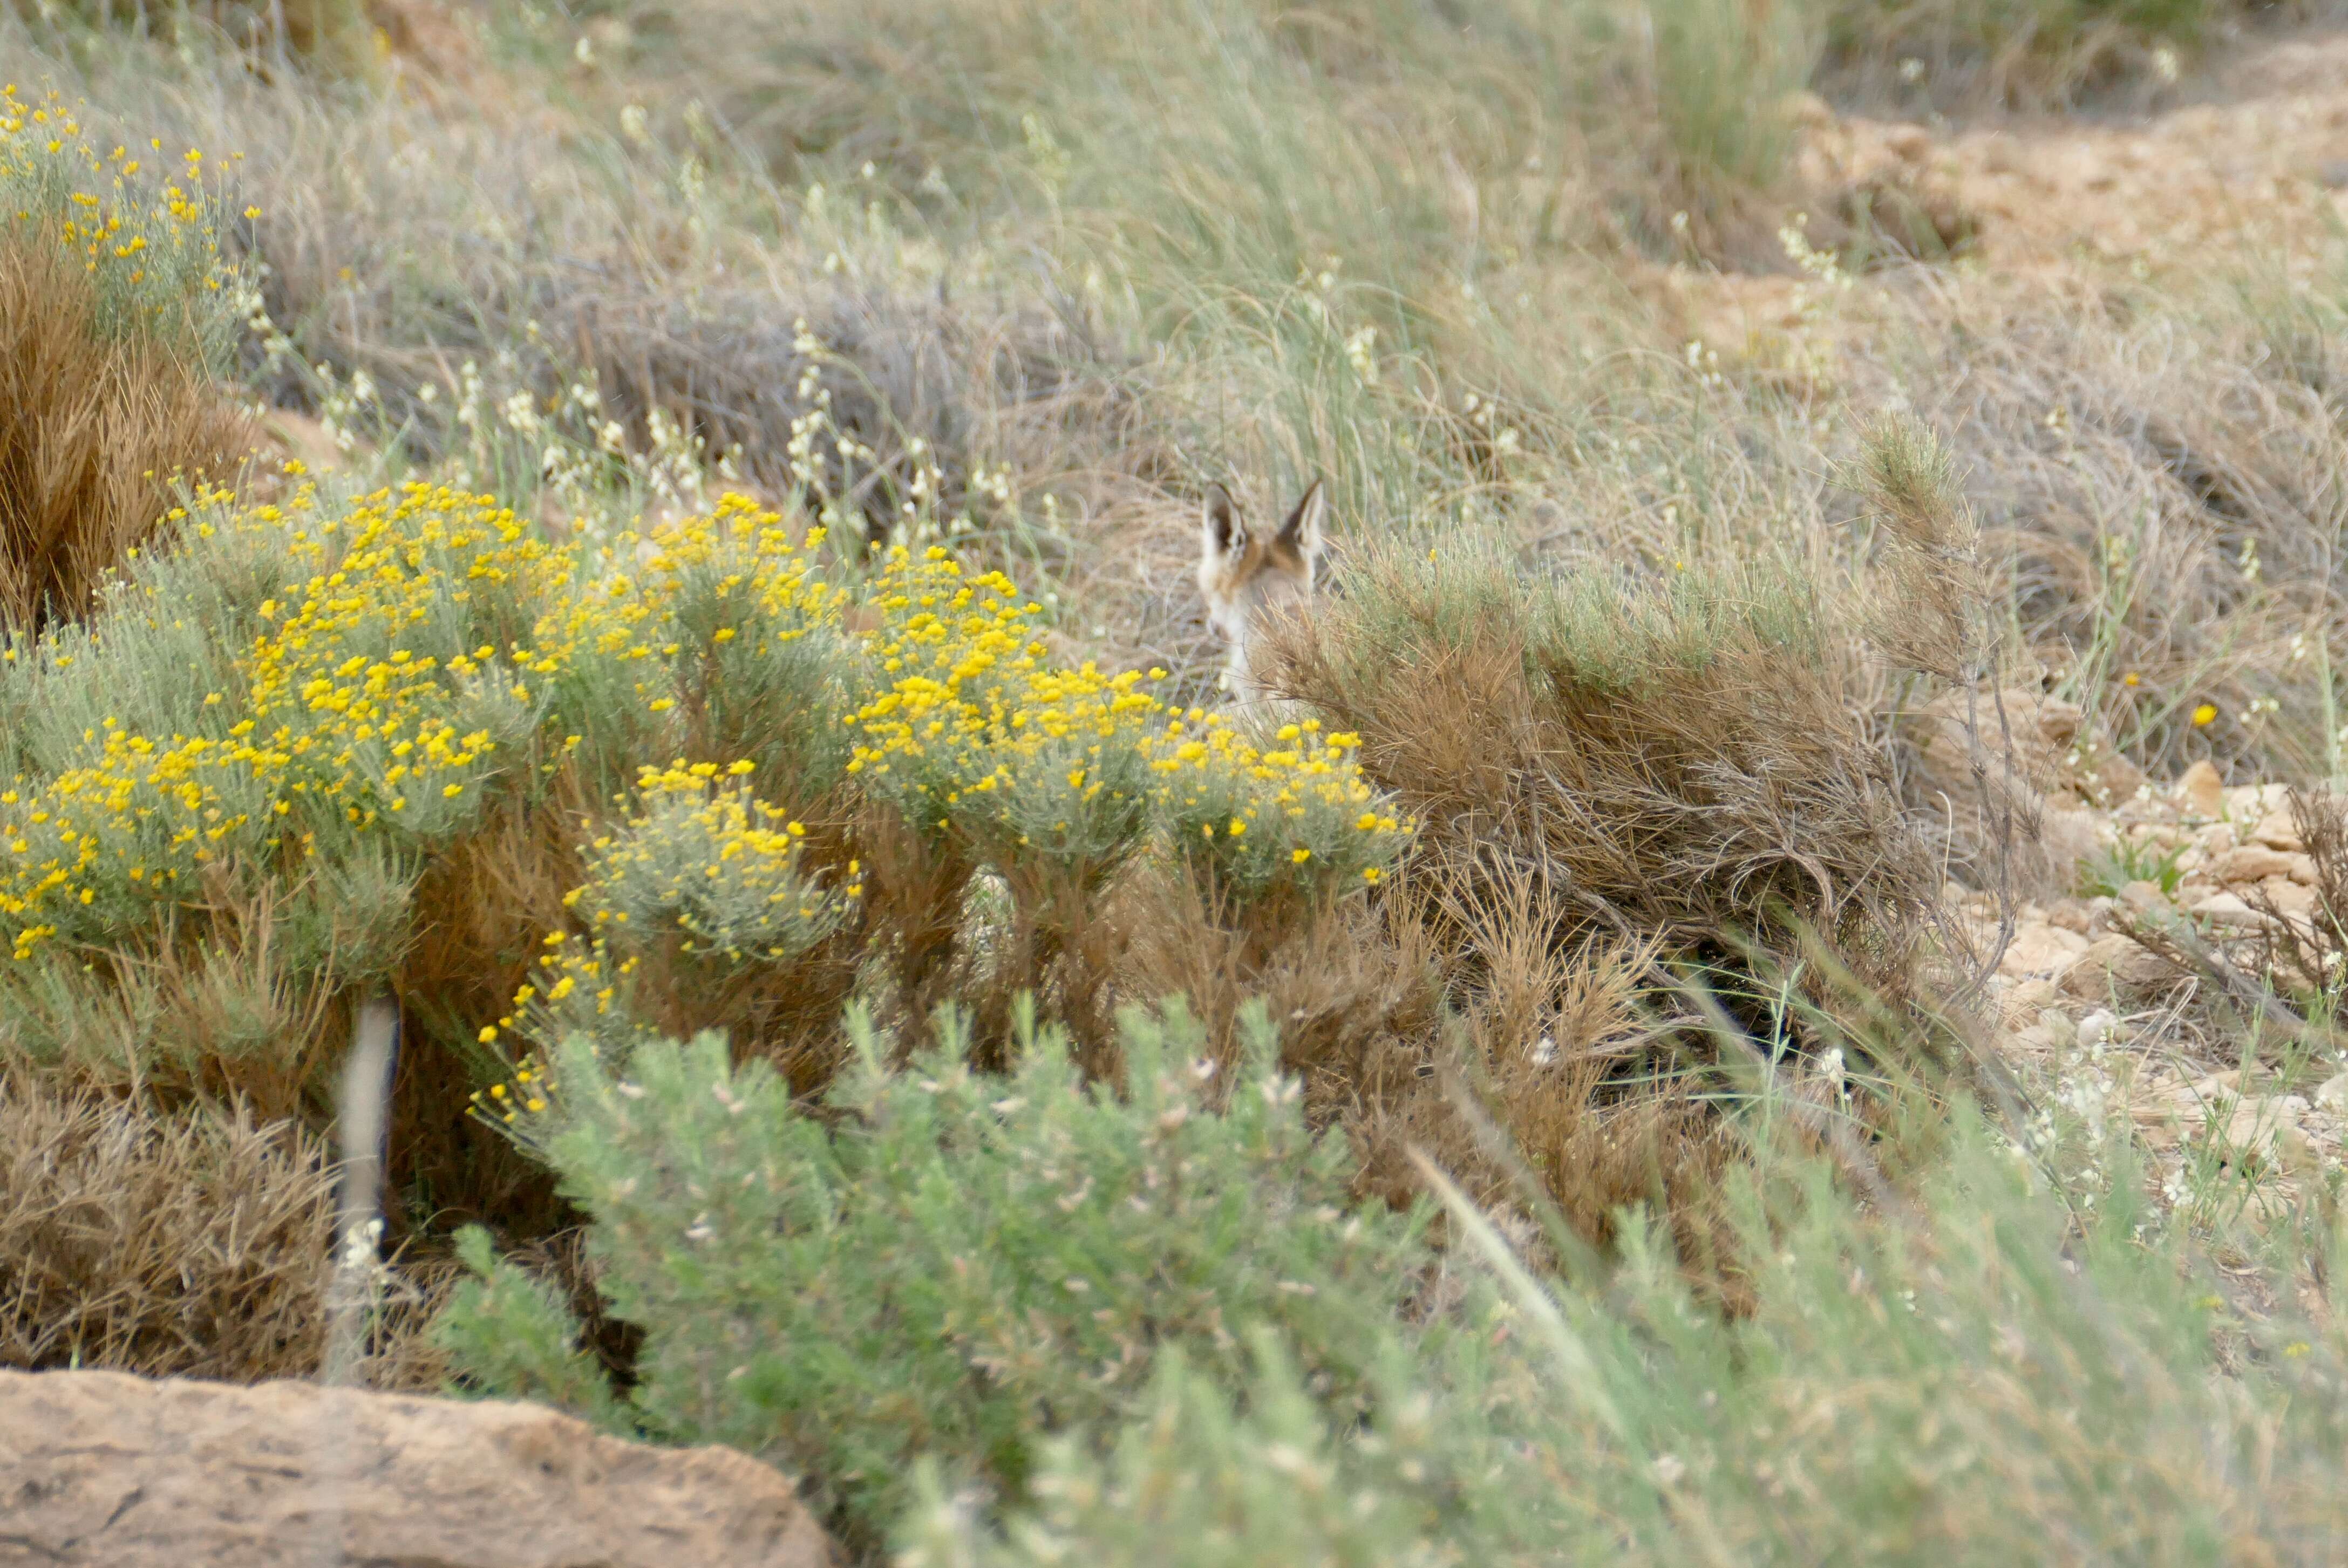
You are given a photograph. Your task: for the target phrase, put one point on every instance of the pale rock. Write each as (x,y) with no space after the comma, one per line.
(2027,1000)
(2041,949)
(109,1470)
(2278,831)
(2215,842)
(2114,963)
(2142,896)
(2202,790)
(2249,863)
(2070,915)
(2268,1130)
(2096,1028)
(2333,1095)
(2295,901)
(2228,910)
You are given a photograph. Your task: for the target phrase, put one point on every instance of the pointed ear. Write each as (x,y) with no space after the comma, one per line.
(1221,531)
(1302,529)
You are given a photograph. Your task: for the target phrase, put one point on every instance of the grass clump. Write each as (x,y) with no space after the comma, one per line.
(1676,759)
(191,1244)
(115,308)
(939,1261)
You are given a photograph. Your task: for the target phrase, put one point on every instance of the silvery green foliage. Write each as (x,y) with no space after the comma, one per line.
(947,1263)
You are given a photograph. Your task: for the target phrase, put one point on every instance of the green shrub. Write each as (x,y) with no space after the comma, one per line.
(1966,1381)
(942,1262)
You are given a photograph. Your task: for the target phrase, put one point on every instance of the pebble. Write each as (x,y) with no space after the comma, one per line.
(2202,790)
(2251,862)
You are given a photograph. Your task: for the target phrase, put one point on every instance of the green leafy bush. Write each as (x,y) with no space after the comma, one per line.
(942,1262)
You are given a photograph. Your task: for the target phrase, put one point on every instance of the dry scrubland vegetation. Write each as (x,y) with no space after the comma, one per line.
(712,641)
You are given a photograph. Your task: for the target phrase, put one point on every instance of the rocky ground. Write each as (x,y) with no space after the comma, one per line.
(2107,1024)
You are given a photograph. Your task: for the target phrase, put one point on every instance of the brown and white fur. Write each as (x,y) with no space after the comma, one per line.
(1248,577)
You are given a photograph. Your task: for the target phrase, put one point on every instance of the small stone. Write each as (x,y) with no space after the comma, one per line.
(2029,998)
(2278,831)
(2041,949)
(2249,863)
(2114,963)
(2333,1095)
(2228,910)
(2294,901)
(2070,915)
(2215,842)
(2202,790)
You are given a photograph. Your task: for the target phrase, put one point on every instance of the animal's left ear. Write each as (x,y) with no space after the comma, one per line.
(1301,531)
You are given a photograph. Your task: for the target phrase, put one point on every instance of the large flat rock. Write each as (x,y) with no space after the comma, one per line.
(105,1469)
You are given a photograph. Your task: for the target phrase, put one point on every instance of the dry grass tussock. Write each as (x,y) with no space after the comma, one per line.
(94,431)
(188,1245)
(1662,859)
(1674,762)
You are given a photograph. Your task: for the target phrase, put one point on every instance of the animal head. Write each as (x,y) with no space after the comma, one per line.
(1247,575)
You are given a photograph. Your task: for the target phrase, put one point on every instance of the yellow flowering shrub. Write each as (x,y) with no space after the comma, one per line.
(142,222)
(368,698)
(720,631)
(1262,814)
(712,867)
(311,712)
(982,737)
(978,737)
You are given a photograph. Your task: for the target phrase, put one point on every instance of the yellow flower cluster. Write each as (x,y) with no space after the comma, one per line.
(1293,809)
(707,861)
(147,232)
(974,731)
(980,733)
(703,863)
(361,702)
(712,580)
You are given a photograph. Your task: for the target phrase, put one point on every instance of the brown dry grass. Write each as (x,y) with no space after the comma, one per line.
(190,1245)
(92,434)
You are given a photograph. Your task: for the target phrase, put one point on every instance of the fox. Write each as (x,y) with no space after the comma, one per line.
(1248,578)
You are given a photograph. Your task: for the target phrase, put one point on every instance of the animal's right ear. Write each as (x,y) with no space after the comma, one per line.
(1221,531)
